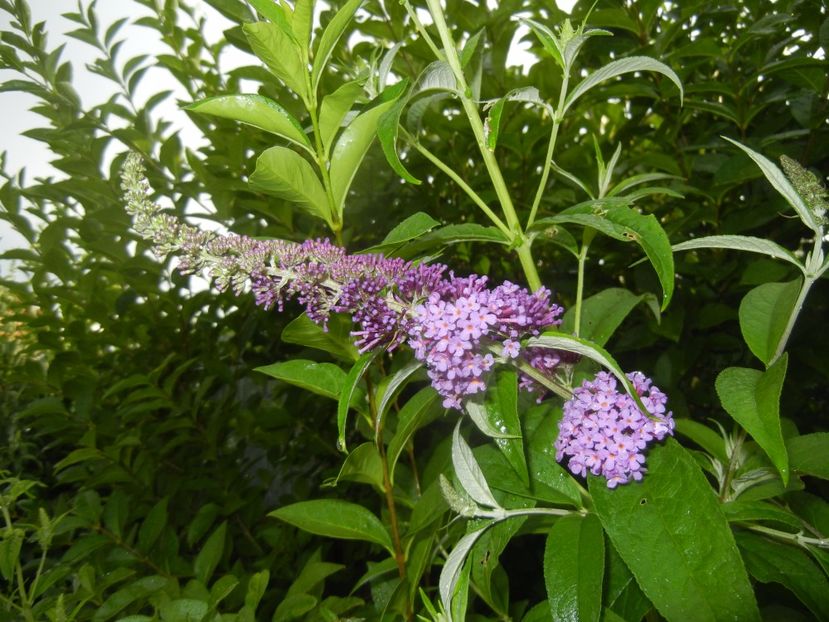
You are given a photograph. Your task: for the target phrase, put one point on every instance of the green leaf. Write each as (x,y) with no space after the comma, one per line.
(739,511)
(332,33)
(543,468)
(324,379)
(752,398)
(502,414)
(740,243)
(256,588)
(611,217)
(649,234)
(313,573)
(184,610)
(415,413)
(364,465)
(555,340)
(210,555)
(493,123)
(354,142)
(293,607)
(773,562)
(547,38)
(703,436)
(468,472)
(670,531)
(451,572)
(412,227)
(388,128)
(301,24)
(272,11)
(152,526)
(336,340)
(350,384)
(619,67)
(780,183)
(287,175)
(335,519)
(123,598)
(603,313)
(764,315)
(574,568)
(809,454)
(280,52)
(334,109)
(390,386)
(255,110)
(10,547)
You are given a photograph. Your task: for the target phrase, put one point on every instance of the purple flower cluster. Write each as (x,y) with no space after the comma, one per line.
(452,326)
(450,322)
(604,432)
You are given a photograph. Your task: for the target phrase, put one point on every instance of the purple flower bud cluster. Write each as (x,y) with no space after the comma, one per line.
(604,432)
(461,316)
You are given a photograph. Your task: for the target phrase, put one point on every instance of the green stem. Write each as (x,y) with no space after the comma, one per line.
(518,239)
(422,30)
(797,538)
(388,488)
(545,173)
(464,186)
(587,237)
(322,162)
(798,305)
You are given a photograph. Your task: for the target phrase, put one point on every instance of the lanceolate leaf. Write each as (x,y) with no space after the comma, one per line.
(336,519)
(775,562)
(764,315)
(561,341)
(388,127)
(603,313)
(740,243)
(574,568)
(334,109)
(332,33)
(321,378)
(280,52)
(752,398)
(415,413)
(618,68)
(780,183)
(469,473)
(255,110)
(354,142)
(452,568)
(502,410)
(670,531)
(286,174)
(809,454)
(350,384)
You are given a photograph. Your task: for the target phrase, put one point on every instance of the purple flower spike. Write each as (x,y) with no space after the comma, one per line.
(605,433)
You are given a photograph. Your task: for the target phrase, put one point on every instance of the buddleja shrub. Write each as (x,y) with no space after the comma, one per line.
(529,432)
(648,530)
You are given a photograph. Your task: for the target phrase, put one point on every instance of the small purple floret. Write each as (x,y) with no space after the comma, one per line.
(604,432)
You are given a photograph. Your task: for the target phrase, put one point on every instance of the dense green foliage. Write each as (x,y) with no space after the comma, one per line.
(148,472)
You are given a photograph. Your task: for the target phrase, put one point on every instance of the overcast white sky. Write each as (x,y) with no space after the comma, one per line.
(15,116)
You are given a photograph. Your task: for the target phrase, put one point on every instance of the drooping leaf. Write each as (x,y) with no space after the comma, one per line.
(364,465)
(336,519)
(780,183)
(764,316)
(603,313)
(350,384)
(419,409)
(390,386)
(256,110)
(451,572)
(468,472)
(670,531)
(286,174)
(574,568)
(752,398)
(741,243)
(619,67)
(775,562)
